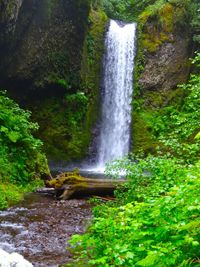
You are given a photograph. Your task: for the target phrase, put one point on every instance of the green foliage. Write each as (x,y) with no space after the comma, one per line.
(124,10)
(21,159)
(76,111)
(160,231)
(62,83)
(10,194)
(195,19)
(146,177)
(172,128)
(133,9)
(77,104)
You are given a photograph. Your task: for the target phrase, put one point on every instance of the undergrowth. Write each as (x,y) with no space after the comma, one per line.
(21,159)
(10,194)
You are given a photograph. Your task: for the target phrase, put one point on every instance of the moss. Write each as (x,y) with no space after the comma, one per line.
(10,193)
(61,126)
(144,132)
(67,178)
(66,124)
(152,42)
(158,22)
(143,140)
(91,68)
(93,51)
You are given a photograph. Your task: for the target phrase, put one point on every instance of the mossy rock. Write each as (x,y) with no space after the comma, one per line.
(143,139)
(159,22)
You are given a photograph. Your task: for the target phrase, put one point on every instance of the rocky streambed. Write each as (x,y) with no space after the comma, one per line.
(38,228)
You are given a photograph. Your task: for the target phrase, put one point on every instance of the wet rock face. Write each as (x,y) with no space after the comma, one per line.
(9,11)
(168,66)
(41,43)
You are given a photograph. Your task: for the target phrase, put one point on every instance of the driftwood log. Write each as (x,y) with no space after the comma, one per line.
(72,184)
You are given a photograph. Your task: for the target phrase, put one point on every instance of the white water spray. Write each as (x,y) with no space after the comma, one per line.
(117,92)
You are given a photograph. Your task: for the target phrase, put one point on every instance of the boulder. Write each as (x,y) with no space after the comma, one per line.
(13,260)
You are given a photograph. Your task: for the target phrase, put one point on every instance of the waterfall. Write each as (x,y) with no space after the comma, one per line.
(114,139)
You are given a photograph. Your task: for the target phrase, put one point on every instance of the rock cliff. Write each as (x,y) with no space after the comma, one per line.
(164,48)
(51,52)
(41,44)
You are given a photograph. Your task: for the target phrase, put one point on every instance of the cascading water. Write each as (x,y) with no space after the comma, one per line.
(120,45)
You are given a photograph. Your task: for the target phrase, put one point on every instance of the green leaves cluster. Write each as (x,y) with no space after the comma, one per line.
(10,193)
(21,159)
(147,177)
(131,10)
(124,10)
(160,231)
(195,19)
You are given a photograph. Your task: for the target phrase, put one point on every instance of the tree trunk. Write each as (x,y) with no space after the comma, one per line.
(68,185)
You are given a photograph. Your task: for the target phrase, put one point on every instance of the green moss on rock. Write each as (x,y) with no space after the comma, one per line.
(159,22)
(143,140)
(91,68)
(162,63)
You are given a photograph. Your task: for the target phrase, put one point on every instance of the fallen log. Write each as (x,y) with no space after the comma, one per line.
(72,184)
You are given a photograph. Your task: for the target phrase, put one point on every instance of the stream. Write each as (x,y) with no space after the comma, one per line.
(38,228)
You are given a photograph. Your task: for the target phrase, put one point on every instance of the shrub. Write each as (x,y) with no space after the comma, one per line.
(146,177)
(21,158)
(162,231)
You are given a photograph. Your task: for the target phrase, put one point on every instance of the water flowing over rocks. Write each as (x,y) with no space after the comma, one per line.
(39,228)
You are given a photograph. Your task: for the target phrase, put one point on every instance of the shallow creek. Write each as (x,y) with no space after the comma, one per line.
(38,228)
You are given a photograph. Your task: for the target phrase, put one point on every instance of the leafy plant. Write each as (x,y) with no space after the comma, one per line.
(21,158)
(10,194)
(146,177)
(160,231)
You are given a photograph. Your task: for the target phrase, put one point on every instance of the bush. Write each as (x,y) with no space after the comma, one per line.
(146,177)
(161,231)
(21,158)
